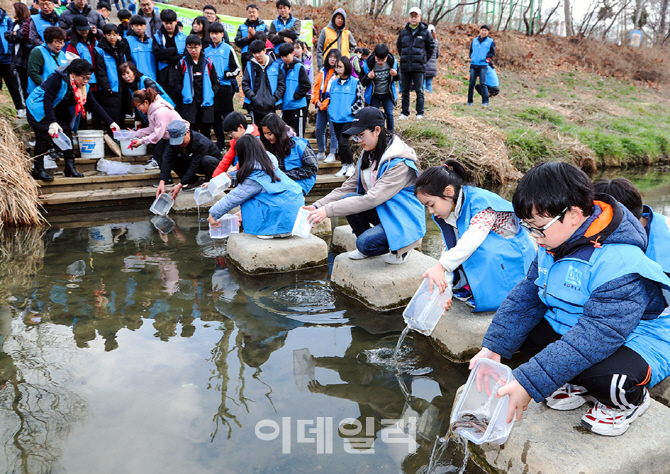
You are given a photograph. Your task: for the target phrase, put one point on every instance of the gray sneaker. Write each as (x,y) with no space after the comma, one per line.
(151,165)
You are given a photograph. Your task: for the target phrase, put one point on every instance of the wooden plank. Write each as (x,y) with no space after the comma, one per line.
(98,195)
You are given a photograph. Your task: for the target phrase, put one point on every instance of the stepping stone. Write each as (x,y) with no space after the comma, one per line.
(185,202)
(554,442)
(322,228)
(253,255)
(661,392)
(344,240)
(377,284)
(459,333)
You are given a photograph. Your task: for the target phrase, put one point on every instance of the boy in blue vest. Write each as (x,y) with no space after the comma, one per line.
(225,62)
(263,83)
(198,83)
(110,53)
(246,32)
(492,82)
(590,312)
(656,225)
(168,48)
(44,59)
(482,50)
(284,23)
(141,47)
(297,87)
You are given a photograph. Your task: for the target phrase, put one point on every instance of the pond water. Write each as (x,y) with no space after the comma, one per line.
(122,350)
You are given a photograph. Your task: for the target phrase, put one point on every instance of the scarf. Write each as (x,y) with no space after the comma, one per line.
(79,98)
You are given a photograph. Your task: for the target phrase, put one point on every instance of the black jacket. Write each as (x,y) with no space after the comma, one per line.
(199,147)
(261,97)
(366,81)
(415,47)
(165,50)
(304,85)
(93,17)
(121,54)
(190,111)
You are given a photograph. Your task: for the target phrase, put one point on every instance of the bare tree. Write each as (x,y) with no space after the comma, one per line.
(569,31)
(546,22)
(437,11)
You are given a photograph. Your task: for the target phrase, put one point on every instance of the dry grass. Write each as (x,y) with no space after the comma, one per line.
(21,254)
(19,195)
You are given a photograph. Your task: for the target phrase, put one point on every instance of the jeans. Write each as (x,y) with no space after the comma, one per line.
(385,101)
(321,123)
(123,2)
(412,81)
(346,155)
(428,84)
(478,71)
(370,241)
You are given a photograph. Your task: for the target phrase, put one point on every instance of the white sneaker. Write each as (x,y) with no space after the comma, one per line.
(393,258)
(21,113)
(330,158)
(568,397)
(608,421)
(419,117)
(321,156)
(403,117)
(151,165)
(356,255)
(350,171)
(342,171)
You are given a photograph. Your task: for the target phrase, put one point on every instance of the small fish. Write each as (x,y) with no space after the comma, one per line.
(470,422)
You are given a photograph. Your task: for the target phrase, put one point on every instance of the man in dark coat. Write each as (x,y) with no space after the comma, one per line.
(81,7)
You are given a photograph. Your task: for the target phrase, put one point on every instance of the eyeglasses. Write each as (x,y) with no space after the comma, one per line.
(539,231)
(193,48)
(86,77)
(359,138)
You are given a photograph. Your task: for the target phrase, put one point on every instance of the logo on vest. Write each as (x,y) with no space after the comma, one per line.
(573,279)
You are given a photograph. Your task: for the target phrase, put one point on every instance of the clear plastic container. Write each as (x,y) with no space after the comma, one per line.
(163,224)
(483,404)
(229,225)
(62,141)
(425,310)
(218,184)
(124,135)
(202,196)
(136,169)
(302,228)
(116,168)
(162,205)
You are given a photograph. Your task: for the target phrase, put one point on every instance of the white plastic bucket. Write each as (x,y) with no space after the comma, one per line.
(91,143)
(125,151)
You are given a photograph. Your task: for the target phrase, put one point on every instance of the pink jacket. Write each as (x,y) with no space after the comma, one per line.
(160,115)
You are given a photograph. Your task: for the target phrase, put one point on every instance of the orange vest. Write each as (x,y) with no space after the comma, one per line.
(333,42)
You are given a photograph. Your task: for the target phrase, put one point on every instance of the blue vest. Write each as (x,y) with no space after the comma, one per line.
(498,264)
(179,40)
(220,57)
(294,160)
(274,211)
(479,51)
(370,89)
(143,55)
(280,25)
(50,65)
(403,216)
(187,90)
(164,94)
(112,68)
(35,102)
(565,286)
(292,83)
(41,24)
(342,98)
(4,28)
(272,71)
(85,53)
(658,236)
(492,78)
(244,31)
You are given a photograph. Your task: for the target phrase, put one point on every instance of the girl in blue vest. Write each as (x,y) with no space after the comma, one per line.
(199,85)
(141,47)
(294,154)
(486,249)
(378,200)
(227,68)
(57,106)
(135,81)
(656,225)
(110,53)
(45,58)
(590,312)
(346,98)
(82,43)
(269,199)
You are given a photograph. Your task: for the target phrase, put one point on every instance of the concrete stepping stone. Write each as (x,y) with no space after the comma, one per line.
(253,255)
(322,228)
(377,284)
(459,333)
(344,240)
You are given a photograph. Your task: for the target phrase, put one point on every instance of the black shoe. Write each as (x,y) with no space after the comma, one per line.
(193,186)
(69,170)
(42,175)
(167,181)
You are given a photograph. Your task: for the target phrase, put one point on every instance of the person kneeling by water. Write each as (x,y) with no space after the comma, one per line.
(269,199)
(50,112)
(378,199)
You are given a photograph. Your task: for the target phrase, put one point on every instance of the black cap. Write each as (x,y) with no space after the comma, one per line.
(485,27)
(367,117)
(80,23)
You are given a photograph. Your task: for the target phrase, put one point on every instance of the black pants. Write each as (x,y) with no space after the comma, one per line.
(346,156)
(257,117)
(43,141)
(199,126)
(223,105)
(493,91)
(296,119)
(207,166)
(412,81)
(617,381)
(22,74)
(475,72)
(158,150)
(8,76)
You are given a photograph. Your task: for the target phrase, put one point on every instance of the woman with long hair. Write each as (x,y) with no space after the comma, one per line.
(320,101)
(21,46)
(294,154)
(200,27)
(269,199)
